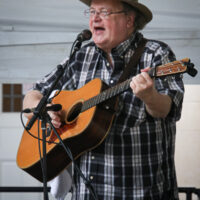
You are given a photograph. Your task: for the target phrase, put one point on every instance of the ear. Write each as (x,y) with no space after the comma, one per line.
(130,20)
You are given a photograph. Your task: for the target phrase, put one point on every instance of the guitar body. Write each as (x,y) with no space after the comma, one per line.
(84,133)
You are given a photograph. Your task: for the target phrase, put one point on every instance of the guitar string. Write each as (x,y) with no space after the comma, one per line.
(111,92)
(105,95)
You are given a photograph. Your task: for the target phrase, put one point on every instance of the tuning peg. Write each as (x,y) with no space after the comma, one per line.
(191,70)
(191,65)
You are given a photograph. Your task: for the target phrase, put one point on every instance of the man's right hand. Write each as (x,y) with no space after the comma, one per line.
(32,99)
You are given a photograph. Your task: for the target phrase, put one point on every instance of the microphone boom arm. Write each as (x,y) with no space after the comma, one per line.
(43,102)
(84,35)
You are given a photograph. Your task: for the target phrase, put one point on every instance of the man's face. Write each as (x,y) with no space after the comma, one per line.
(108,32)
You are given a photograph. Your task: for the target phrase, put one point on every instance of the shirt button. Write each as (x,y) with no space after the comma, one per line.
(93,157)
(91,177)
(111,81)
(107,64)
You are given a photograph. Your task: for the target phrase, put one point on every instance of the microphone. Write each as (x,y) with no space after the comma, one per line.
(54,107)
(84,35)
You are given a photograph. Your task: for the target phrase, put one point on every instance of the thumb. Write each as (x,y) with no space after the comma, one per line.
(145,69)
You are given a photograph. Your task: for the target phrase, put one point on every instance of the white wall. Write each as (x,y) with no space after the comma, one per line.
(36,35)
(188,139)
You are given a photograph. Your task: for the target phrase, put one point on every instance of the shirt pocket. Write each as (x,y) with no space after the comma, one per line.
(132,109)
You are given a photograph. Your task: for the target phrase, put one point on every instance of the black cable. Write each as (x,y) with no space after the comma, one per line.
(67,150)
(39,149)
(69,153)
(76,45)
(50,142)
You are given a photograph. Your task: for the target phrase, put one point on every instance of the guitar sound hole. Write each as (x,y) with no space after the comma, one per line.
(74,112)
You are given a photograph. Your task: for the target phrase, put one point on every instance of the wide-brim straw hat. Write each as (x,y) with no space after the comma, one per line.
(144,11)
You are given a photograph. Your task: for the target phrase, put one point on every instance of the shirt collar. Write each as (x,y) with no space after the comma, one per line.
(123,47)
(132,41)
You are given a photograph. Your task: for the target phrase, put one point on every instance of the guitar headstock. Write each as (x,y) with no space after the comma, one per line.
(176,67)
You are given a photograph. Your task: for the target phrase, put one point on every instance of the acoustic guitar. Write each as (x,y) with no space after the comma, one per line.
(88,114)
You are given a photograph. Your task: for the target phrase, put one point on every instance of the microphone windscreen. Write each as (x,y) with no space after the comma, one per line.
(84,35)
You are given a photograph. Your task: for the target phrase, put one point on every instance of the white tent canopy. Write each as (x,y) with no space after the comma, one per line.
(36,35)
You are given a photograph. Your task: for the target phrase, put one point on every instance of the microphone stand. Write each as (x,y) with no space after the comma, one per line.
(44,160)
(85,35)
(43,102)
(69,153)
(41,112)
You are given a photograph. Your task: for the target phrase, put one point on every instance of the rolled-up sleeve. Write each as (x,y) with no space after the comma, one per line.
(173,85)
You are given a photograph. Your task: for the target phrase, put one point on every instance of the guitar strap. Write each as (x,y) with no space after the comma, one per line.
(133,61)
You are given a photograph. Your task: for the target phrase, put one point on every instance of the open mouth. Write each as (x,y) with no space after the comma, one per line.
(99,29)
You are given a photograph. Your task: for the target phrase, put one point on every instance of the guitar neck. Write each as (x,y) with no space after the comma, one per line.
(176,67)
(111,92)
(106,94)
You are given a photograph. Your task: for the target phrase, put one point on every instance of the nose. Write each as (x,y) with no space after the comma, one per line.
(96,16)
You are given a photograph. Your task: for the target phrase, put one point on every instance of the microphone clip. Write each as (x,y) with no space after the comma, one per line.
(54,107)
(83,36)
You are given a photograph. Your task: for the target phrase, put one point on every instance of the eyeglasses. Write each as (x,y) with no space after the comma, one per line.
(102,14)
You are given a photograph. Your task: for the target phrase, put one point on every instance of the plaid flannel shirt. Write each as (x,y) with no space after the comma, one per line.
(136,160)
